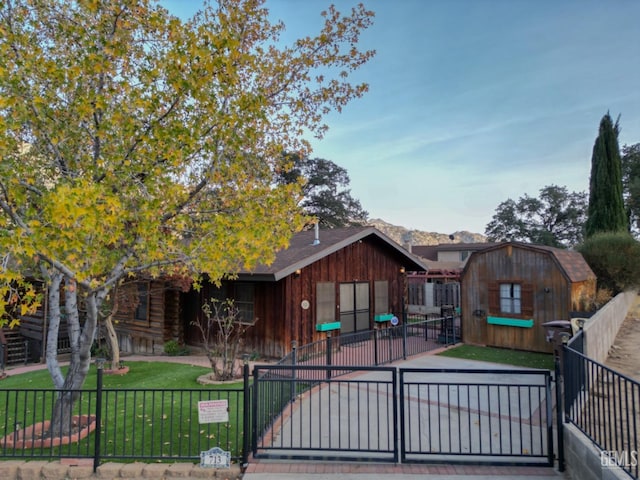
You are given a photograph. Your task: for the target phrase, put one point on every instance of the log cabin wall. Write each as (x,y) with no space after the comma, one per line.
(146,331)
(550,291)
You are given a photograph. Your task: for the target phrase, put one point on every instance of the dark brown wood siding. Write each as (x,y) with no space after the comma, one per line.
(278,305)
(545,287)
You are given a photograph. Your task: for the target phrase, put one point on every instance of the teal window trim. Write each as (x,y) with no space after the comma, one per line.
(511,322)
(326,327)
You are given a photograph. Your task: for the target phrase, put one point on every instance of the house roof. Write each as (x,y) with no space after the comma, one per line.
(571,262)
(430,252)
(303,251)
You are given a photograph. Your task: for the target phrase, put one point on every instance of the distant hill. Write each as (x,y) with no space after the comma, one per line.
(405,237)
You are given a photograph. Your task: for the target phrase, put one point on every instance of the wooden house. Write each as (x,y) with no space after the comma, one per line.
(510,289)
(149,316)
(338,281)
(330,281)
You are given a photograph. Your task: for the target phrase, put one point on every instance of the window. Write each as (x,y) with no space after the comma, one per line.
(381,293)
(244,297)
(325,302)
(142,310)
(510,298)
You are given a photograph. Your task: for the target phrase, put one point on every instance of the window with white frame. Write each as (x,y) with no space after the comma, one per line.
(510,298)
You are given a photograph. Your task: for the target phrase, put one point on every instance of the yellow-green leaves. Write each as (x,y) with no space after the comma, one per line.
(131,141)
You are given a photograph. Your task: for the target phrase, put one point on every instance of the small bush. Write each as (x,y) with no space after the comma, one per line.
(615,259)
(100,350)
(174,349)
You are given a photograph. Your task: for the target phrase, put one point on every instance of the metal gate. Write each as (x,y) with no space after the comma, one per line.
(427,416)
(479,416)
(311,412)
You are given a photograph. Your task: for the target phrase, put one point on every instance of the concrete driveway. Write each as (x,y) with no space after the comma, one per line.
(260,469)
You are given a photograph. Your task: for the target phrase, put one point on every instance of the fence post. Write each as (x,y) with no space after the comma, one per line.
(294,372)
(329,354)
(246,418)
(396,433)
(375,344)
(559,344)
(98,431)
(404,339)
(254,414)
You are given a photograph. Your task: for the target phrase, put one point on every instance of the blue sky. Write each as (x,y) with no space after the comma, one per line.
(472,102)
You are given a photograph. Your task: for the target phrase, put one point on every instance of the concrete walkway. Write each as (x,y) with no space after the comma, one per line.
(277,470)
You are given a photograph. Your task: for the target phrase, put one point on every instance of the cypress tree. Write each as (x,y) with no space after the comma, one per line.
(606,211)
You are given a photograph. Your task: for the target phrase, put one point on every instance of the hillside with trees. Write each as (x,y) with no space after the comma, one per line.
(405,236)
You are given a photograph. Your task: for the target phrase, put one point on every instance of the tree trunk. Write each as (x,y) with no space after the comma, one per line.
(112,337)
(81,340)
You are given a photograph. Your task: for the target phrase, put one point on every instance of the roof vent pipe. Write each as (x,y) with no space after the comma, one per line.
(316,229)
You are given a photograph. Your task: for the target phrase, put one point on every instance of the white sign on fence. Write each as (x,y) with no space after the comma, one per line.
(216,457)
(213,411)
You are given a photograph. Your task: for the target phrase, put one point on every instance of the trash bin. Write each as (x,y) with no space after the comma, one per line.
(557,326)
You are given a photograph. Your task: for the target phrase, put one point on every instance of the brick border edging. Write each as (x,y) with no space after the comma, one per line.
(61,470)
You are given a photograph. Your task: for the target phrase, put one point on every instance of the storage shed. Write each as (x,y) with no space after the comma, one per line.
(509,290)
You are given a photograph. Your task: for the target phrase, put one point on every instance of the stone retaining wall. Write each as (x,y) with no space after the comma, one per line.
(583,458)
(66,470)
(601,329)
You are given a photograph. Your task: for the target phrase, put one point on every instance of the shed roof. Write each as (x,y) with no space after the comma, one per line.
(303,251)
(571,262)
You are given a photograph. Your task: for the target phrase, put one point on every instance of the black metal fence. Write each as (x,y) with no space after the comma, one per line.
(481,416)
(348,417)
(445,415)
(126,424)
(605,406)
(418,334)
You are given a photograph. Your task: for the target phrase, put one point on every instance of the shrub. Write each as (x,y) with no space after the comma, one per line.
(100,350)
(615,259)
(174,349)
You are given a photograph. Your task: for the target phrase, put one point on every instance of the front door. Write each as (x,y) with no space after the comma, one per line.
(354,307)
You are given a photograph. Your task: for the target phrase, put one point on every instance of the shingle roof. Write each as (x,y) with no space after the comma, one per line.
(302,251)
(571,262)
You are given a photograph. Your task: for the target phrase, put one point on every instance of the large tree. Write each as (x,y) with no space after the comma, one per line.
(554,218)
(631,183)
(325,192)
(606,212)
(132,142)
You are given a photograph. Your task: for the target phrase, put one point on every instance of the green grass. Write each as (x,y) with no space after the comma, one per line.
(151,412)
(502,355)
(141,375)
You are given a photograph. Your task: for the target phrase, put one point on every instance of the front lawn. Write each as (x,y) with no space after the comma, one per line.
(141,375)
(502,355)
(151,412)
